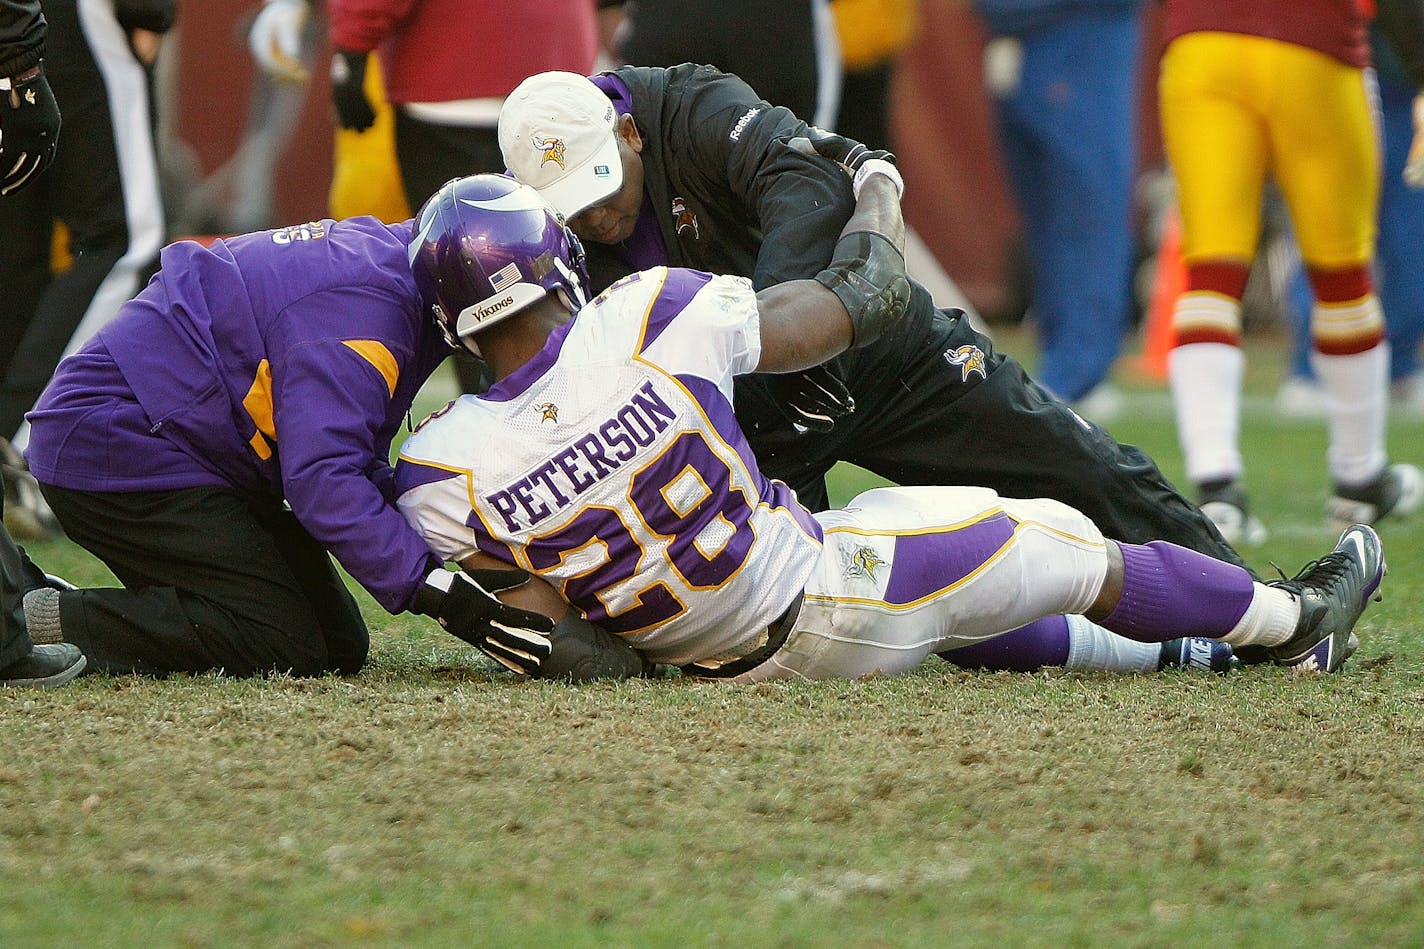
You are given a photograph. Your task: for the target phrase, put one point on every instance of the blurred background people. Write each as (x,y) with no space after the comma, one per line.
(102,193)
(1249,90)
(1063,75)
(448,64)
(787,50)
(871,35)
(1399,272)
(365,178)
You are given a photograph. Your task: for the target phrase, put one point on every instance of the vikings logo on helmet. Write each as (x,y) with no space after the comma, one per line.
(553,151)
(548,412)
(685,218)
(864,561)
(969,359)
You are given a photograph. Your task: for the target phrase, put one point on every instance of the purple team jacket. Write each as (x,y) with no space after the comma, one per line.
(281,363)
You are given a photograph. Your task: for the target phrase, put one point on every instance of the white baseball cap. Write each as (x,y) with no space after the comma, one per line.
(556,133)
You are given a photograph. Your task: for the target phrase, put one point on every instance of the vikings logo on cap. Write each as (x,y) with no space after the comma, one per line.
(552,149)
(969,359)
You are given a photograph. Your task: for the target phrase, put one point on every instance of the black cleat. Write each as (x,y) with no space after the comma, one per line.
(1396,493)
(1332,592)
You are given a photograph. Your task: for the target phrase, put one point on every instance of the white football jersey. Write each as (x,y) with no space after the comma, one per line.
(612,467)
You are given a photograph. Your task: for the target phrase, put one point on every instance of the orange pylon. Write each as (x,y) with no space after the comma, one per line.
(1168,283)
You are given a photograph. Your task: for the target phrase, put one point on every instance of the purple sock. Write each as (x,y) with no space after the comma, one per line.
(1029,648)
(1170,591)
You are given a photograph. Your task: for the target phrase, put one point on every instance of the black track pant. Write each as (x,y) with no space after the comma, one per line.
(17,575)
(921,418)
(430,155)
(770,46)
(212,581)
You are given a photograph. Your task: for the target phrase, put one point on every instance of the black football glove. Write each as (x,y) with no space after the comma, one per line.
(584,652)
(464,603)
(29,128)
(348,91)
(812,398)
(858,159)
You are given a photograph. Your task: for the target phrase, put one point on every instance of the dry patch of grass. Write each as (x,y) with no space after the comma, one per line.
(433,800)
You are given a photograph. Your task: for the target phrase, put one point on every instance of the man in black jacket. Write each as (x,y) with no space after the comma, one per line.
(688,166)
(29,131)
(103,186)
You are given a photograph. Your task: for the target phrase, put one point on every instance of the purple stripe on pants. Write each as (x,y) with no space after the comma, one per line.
(1042,643)
(925,564)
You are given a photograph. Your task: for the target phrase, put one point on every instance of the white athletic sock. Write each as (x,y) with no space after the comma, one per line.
(1206,394)
(1269,620)
(1091,647)
(1356,391)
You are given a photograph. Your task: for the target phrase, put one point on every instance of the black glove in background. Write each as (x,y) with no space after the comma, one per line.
(29,130)
(348,92)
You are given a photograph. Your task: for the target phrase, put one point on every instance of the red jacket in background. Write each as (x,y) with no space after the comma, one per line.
(444,50)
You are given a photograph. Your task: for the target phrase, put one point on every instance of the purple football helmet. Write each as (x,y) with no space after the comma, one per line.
(484,248)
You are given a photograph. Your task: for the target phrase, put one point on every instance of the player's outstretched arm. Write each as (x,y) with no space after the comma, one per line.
(575,650)
(850,303)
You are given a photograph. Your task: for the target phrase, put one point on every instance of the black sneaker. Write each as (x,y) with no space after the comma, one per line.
(1225,503)
(1397,492)
(1332,592)
(45,667)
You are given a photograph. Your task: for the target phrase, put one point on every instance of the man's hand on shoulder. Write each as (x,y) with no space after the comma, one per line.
(858,159)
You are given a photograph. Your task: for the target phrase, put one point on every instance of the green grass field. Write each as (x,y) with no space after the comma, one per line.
(435,801)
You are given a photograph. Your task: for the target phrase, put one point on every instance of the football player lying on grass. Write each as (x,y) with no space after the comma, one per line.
(606,460)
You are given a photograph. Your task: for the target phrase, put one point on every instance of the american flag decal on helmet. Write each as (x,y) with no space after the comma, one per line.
(505,277)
